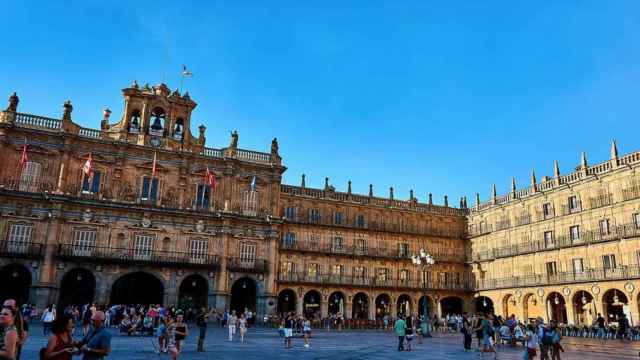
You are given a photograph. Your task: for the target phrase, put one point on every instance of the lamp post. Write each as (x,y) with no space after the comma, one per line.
(424,260)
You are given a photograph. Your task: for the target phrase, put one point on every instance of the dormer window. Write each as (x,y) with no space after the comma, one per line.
(134,122)
(178,129)
(157,122)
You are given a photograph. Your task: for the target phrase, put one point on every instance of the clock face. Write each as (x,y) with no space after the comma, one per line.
(155,141)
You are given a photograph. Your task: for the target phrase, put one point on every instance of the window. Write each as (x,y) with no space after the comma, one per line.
(604,227)
(286,268)
(247,253)
(403,276)
(250,203)
(29,176)
(426,277)
(289,240)
(403,250)
(338,218)
(337,244)
(336,271)
(203,196)
(290,213)
(636,220)
(314,241)
(314,216)
(551,268)
(19,238)
(312,271)
(143,247)
(361,246)
(382,275)
(574,205)
(360,221)
(199,248)
(609,261)
(547,210)
(359,274)
(91,184)
(548,239)
(457,280)
(149,189)
(574,232)
(578,266)
(84,242)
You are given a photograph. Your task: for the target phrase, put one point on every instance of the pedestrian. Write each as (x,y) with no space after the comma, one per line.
(467,330)
(22,326)
(486,326)
(555,347)
(400,328)
(531,336)
(231,324)
(86,319)
(623,326)
(97,344)
(172,346)
(161,334)
(289,324)
(201,322)
(599,323)
(48,316)
(242,326)
(306,330)
(181,330)
(543,341)
(60,344)
(9,345)
(409,331)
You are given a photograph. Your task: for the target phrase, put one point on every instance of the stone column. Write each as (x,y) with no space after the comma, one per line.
(633,309)
(439,309)
(45,290)
(393,307)
(324,308)
(372,310)
(348,309)
(299,303)
(571,318)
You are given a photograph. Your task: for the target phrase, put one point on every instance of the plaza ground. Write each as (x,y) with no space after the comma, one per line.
(266,344)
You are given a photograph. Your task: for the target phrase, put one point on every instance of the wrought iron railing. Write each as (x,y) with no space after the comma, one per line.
(20,249)
(247,265)
(368,281)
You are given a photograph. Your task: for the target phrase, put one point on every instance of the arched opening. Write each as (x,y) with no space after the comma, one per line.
(382,305)
(158,117)
(615,305)
(360,306)
(583,308)
(78,287)
(484,305)
(451,306)
(243,295)
(508,306)
(404,305)
(15,280)
(193,292)
(286,301)
(532,308)
(134,121)
(556,306)
(421,306)
(311,305)
(137,288)
(336,303)
(178,129)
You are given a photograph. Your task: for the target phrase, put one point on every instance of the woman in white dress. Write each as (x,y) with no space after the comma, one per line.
(242,325)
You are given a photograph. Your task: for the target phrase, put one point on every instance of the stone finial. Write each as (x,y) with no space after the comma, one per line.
(494,194)
(202,129)
(104,124)
(477,199)
(583,160)
(326,183)
(274,146)
(411,194)
(446,201)
(349,187)
(614,150)
(461,206)
(234,140)
(134,85)
(370,190)
(302,181)
(556,169)
(13,102)
(186,96)
(68,109)
(534,183)
(391,192)
(513,185)
(430,199)
(465,202)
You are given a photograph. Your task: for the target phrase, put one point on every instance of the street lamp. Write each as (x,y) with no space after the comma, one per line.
(424,260)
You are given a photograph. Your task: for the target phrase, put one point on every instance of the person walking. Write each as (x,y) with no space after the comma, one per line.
(306,330)
(201,321)
(60,344)
(242,327)
(161,334)
(543,341)
(623,327)
(599,322)
(231,324)
(97,344)
(289,323)
(410,323)
(555,346)
(467,330)
(21,325)
(181,331)
(400,328)
(9,340)
(172,346)
(486,326)
(48,316)
(531,336)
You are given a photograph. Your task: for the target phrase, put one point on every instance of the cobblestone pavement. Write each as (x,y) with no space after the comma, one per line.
(266,344)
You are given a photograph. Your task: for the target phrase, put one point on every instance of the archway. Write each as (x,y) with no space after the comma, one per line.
(286,301)
(336,303)
(451,306)
(78,287)
(311,305)
(404,305)
(243,295)
(484,305)
(429,304)
(15,280)
(137,288)
(615,304)
(532,307)
(360,306)
(508,306)
(583,308)
(194,292)
(556,307)
(382,305)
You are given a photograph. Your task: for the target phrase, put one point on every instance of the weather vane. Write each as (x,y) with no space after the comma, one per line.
(185,73)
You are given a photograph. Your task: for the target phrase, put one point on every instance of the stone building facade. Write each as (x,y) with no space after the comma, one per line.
(141,211)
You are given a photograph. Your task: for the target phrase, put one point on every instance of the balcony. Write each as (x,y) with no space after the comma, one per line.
(105,254)
(372,282)
(247,265)
(19,249)
(17,184)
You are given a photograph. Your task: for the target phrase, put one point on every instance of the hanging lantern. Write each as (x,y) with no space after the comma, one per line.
(616,299)
(584,299)
(484,302)
(557,300)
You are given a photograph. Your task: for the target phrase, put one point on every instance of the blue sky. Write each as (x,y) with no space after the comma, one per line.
(445,97)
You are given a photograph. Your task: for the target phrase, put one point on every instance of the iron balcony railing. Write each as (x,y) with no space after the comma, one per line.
(588,275)
(20,249)
(247,265)
(376,282)
(133,255)
(346,250)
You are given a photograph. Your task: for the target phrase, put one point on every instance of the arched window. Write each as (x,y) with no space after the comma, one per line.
(158,117)
(134,121)
(178,129)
